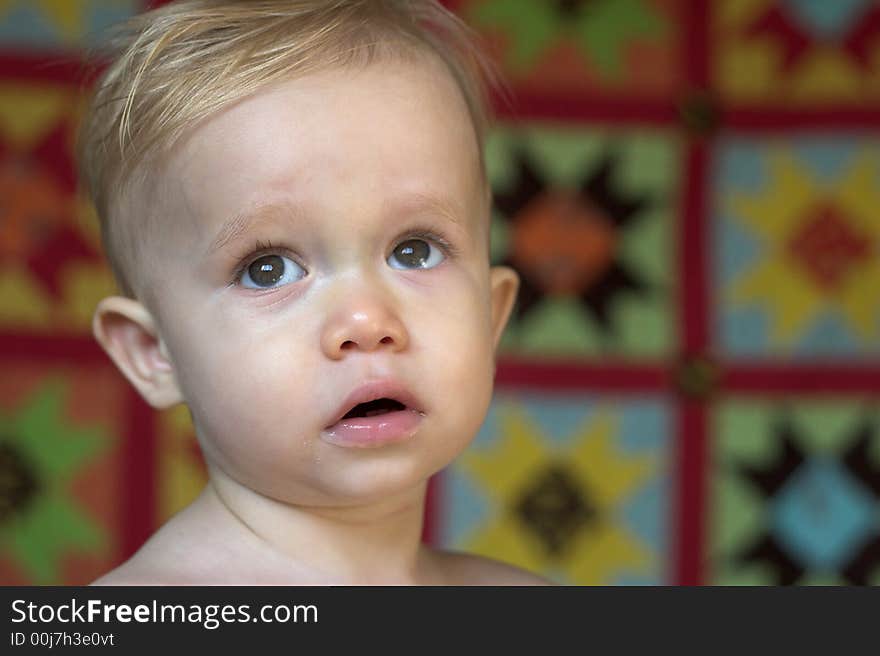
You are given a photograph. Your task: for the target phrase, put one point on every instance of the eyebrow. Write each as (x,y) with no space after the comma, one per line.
(410,203)
(244,221)
(416,202)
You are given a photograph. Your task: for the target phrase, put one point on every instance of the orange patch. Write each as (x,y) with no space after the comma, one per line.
(31,209)
(828,247)
(563,242)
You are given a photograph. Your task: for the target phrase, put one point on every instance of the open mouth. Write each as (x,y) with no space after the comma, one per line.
(373,408)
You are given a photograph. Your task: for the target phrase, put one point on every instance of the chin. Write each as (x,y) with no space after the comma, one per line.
(377,479)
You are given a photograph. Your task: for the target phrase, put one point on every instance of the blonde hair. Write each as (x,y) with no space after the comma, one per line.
(179,64)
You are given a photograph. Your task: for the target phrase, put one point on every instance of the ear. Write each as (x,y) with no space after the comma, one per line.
(127,332)
(503,283)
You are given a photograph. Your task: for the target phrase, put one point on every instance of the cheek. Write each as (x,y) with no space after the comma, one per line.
(460,362)
(241,391)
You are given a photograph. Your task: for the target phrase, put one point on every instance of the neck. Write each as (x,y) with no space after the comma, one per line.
(377,543)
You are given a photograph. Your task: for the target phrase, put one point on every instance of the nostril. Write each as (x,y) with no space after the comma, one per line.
(351,344)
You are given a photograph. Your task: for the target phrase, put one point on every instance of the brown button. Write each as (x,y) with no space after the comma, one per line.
(699,113)
(697,377)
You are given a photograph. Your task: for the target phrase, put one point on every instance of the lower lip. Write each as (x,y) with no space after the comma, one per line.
(372,432)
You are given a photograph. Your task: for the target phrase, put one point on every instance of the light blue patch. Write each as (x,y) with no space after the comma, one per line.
(26,26)
(643,428)
(745,331)
(740,169)
(646,514)
(740,165)
(644,425)
(557,576)
(829,335)
(102,18)
(642,422)
(828,158)
(822,515)
(736,250)
(464,509)
(827,19)
(489,430)
(631,579)
(561,419)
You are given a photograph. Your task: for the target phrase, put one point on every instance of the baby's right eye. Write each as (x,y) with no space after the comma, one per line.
(268,271)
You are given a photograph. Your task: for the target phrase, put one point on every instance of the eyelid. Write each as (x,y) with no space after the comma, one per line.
(449,250)
(261,249)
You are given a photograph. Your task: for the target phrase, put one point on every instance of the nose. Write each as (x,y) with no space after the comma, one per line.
(367,325)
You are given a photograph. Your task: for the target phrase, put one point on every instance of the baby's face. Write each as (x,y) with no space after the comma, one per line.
(324,243)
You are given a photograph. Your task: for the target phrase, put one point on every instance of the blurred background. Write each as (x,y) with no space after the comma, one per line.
(688,393)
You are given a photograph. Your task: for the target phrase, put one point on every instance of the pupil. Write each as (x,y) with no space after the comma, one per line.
(267,270)
(413,253)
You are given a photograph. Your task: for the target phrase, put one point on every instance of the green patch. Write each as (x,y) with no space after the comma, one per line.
(49,524)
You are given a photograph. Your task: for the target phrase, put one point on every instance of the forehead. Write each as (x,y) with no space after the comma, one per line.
(335,140)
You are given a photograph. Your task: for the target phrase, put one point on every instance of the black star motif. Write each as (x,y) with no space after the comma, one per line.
(598,205)
(569,8)
(770,479)
(18,485)
(554,508)
(858,461)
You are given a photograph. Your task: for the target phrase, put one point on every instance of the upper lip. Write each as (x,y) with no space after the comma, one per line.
(376,389)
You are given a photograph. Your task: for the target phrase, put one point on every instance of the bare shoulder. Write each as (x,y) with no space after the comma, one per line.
(130,574)
(153,564)
(174,555)
(469,569)
(192,549)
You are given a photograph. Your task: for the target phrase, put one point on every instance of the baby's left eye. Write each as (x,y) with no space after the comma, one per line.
(415,254)
(269,271)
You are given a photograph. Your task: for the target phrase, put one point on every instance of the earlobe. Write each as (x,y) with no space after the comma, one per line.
(127,332)
(504,284)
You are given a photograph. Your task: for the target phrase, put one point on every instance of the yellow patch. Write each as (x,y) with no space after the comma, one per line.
(598,552)
(779,281)
(29,111)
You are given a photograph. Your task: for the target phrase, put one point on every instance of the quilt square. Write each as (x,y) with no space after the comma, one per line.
(621,48)
(797,53)
(796,492)
(586,216)
(60,24)
(52,272)
(797,246)
(62,487)
(570,486)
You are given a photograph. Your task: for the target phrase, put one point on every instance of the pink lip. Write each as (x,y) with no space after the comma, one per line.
(371,432)
(372,390)
(379,430)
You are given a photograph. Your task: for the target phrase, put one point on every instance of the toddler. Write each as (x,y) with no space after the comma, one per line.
(293,200)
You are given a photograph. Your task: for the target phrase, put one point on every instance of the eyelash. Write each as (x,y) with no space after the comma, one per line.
(261,249)
(448,249)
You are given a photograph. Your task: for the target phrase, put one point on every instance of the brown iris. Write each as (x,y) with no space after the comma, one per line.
(267,270)
(412,254)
